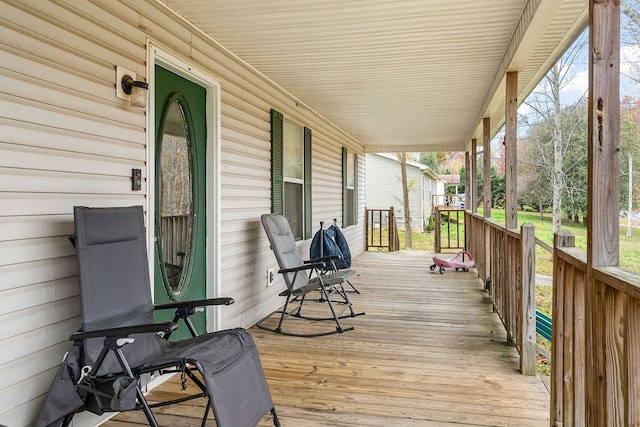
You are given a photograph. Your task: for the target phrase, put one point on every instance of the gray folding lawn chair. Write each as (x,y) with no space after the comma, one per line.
(119,341)
(302,277)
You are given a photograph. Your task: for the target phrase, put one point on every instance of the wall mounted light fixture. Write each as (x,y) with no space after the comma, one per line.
(127,87)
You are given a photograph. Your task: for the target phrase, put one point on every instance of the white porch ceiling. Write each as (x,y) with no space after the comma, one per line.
(413,75)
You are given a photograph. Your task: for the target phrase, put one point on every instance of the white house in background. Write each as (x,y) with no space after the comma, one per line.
(384,188)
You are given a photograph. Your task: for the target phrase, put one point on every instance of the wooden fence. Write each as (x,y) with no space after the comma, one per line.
(382,230)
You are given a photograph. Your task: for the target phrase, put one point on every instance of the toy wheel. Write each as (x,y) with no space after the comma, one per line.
(466,270)
(457,268)
(441,270)
(433,267)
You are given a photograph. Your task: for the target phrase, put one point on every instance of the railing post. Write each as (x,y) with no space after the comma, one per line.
(562,239)
(438,231)
(528,300)
(366,230)
(393,231)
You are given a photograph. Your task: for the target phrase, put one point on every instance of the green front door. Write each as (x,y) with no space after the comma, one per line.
(180,197)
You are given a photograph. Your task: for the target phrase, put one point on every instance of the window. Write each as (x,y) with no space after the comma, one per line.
(349,188)
(291,173)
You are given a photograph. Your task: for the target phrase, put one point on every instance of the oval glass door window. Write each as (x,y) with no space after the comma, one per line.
(176,197)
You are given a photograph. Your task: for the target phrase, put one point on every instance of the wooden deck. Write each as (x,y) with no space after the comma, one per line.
(429,352)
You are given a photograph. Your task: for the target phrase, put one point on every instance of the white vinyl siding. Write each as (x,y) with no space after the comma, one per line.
(66,140)
(384,189)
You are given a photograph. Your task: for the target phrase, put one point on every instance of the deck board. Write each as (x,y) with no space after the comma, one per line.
(430,351)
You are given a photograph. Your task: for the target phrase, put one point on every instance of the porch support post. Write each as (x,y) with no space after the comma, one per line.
(604,133)
(474,176)
(528,300)
(486,167)
(602,205)
(467,179)
(511,151)
(467,196)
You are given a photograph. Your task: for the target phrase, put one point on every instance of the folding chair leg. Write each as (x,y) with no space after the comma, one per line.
(347,304)
(274,415)
(336,317)
(117,349)
(353,287)
(146,409)
(206,413)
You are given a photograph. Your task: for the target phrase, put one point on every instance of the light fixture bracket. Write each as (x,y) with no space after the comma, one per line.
(128,83)
(129,88)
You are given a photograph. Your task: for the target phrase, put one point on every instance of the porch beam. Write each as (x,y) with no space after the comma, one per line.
(511,151)
(486,167)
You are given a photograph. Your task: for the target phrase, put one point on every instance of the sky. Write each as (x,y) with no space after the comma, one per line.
(578,81)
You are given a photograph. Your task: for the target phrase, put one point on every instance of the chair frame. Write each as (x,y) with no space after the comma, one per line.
(116,338)
(328,283)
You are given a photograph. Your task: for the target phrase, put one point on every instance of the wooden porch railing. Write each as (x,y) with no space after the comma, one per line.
(507,259)
(382,230)
(596,322)
(447,200)
(596,342)
(449,228)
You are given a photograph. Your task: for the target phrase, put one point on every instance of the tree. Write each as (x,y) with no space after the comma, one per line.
(402,158)
(430,159)
(546,107)
(629,147)
(534,181)
(539,172)
(629,38)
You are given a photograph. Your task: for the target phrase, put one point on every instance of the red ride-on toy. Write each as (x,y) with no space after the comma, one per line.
(458,262)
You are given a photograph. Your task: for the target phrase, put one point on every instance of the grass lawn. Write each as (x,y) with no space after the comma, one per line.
(629,246)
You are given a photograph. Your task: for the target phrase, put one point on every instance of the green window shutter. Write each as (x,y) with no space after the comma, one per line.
(308,225)
(345,170)
(277,163)
(355,188)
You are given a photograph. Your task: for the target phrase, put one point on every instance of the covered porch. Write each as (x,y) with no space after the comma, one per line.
(430,351)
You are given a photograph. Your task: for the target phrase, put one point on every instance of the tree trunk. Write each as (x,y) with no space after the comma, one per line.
(557,149)
(402,158)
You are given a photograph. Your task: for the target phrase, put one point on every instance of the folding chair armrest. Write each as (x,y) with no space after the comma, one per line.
(324,259)
(125,331)
(307,266)
(186,309)
(195,303)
